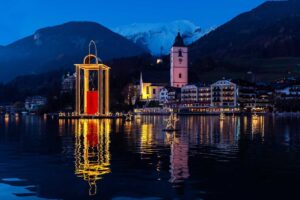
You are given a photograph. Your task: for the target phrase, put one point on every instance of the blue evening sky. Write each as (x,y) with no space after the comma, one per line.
(19,18)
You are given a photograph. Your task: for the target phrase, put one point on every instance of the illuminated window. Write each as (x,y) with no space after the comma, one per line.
(147,90)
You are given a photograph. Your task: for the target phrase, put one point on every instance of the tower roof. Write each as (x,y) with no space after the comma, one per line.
(178,41)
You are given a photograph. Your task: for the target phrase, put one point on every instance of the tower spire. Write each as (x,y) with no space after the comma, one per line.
(141,84)
(178,41)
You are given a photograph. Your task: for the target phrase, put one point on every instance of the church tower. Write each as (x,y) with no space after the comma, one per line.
(179,63)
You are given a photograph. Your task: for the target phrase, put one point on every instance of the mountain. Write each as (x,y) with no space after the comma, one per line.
(158,38)
(60,47)
(265,40)
(270,30)
(48,84)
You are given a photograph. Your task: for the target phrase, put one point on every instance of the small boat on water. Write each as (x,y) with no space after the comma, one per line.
(255,116)
(138,116)
(171,122)
(222,116)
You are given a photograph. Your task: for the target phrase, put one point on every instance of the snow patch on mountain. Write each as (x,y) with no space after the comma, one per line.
(158,38)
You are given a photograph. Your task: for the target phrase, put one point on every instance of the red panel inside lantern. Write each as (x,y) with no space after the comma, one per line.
(92,102)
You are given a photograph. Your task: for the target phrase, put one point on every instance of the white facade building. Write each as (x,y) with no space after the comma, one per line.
(163,96)
(33,104)
(68,83)
(291,92)
(189,94)
(223,94)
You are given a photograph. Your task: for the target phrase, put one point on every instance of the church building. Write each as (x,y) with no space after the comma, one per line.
(177,77)
(179,63)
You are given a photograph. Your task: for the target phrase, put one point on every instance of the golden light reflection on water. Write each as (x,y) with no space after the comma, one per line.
(92,156)
(146,136)
(207,130)
(258,126)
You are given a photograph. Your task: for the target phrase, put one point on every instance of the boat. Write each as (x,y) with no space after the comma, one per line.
(138,116)
(255,116)
(171,123)
(222,116)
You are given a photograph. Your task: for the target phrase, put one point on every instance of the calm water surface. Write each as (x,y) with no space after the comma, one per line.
(238,158)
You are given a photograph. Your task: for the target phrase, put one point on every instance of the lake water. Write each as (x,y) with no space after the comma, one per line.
(238,158)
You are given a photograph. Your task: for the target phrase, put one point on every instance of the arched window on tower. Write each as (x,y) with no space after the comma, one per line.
(180,53)
(180,75)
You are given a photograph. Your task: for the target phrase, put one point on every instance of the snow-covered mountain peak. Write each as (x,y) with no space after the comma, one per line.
(159,37)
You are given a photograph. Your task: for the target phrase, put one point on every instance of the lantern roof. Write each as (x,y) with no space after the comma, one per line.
(92,59)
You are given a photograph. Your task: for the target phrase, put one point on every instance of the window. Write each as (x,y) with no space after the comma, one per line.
(147,90)
(154,91)
(180,75)
(180,53)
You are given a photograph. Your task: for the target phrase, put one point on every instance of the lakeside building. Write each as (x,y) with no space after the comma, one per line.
(35,103)
(204,95)
(68,83)
(223,94)
(132,94)
(163,96)
(220,96)
(172,89)
(174,97)
(189,94)
(264,98)
(246,94)
(289,92)
(198,95)
(228,96)
(150,86)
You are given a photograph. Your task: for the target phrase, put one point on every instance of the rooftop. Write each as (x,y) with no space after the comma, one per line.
(178,41)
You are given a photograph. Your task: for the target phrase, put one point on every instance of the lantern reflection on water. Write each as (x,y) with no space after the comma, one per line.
(92,156)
